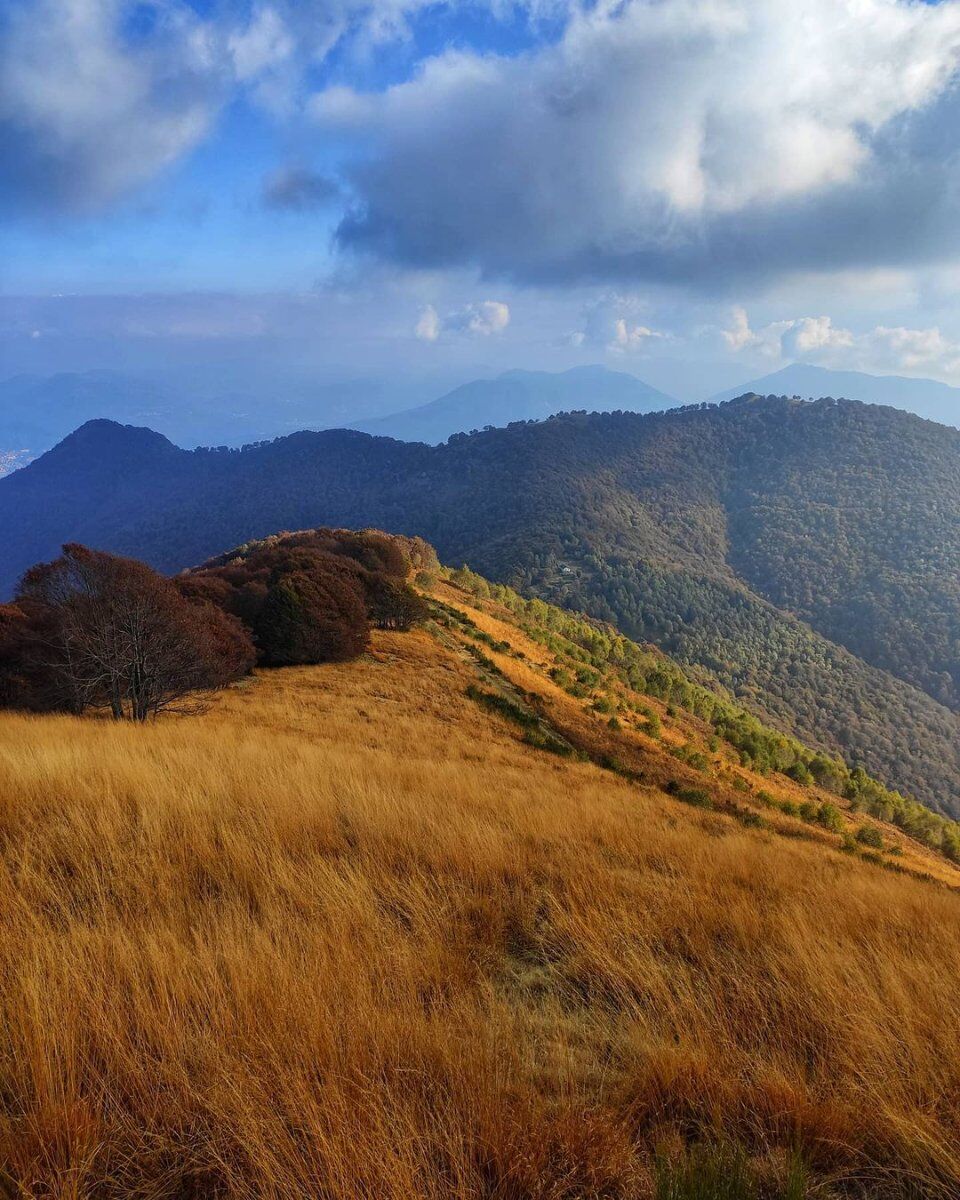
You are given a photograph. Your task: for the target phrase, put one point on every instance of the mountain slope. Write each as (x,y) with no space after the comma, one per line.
(686,528)
(518,396)
(351,934)
(927,398)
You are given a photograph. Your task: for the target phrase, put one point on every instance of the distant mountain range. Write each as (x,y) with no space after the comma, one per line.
(519,396)
(926,397)
(806,556)
(37,411)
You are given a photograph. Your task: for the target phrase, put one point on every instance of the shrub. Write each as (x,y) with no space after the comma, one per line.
(829,816)
(870,835)
(800,772)
(697,797)
(503,706)
(310,597)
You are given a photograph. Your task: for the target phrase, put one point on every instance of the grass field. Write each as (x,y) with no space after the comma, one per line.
(347,936)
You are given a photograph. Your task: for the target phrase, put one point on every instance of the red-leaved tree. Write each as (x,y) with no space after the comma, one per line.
(94,630)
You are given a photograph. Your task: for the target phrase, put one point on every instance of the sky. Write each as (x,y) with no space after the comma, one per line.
(695,191)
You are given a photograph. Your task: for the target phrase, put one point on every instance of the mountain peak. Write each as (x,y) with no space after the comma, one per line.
(101,432)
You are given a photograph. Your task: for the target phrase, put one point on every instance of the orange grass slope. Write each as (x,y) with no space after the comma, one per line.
(685,755)
(347,936)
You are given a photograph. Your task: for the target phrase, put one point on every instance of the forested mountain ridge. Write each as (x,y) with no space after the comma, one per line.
(926,397)
(709,531)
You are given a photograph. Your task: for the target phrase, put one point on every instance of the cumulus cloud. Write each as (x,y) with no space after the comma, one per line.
(99,96)
(615,322)
(739,336)
(485,318)
(480,319)
(812,337)
(818,340)
(631,337)
(86,113)
(677,140)
(914,349)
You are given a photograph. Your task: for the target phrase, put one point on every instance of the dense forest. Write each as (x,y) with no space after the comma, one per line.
(803,555)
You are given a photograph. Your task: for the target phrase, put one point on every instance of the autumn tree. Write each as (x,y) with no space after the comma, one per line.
(394,604)
(310,619)
(104,631)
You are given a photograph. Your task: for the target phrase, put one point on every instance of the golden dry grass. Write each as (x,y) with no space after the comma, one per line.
(346,937)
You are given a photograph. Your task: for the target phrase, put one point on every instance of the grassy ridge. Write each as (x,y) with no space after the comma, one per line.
(347,935)
(595,660)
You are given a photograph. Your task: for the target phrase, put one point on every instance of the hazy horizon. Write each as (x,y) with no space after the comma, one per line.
(694,193)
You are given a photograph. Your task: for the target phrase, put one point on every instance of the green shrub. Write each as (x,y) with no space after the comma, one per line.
(829,816)
(870,835)
(503,706)
(697,797)
(800,772)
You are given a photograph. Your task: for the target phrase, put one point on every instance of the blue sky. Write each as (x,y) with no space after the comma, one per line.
(700,190)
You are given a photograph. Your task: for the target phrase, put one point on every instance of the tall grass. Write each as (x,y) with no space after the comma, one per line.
(345,937)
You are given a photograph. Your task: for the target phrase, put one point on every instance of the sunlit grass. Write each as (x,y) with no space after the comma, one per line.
(345,936)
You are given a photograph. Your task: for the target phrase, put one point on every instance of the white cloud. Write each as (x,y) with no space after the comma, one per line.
(85,115)
(740,336)
(99,96)
(263,44)
(480,319)
(811,337)
(914,350)
(615,322)
(483,319)
(670,139)
(631,337)
(818,340)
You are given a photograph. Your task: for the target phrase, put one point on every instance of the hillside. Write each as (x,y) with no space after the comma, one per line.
(373,929)
(928,398)
(802,555)
(518,396)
